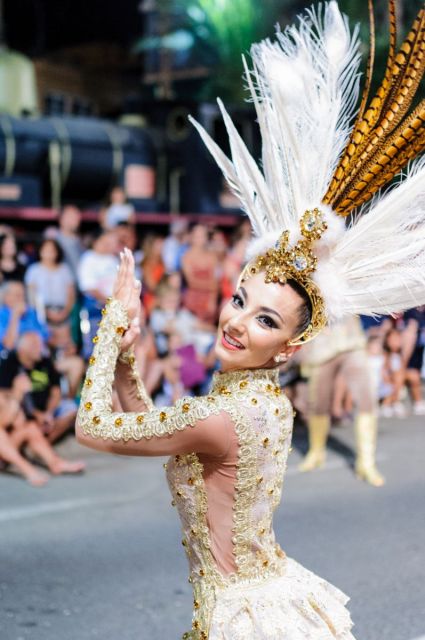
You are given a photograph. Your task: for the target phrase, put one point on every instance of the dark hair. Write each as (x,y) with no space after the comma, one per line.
(305,310)
(4,237)
(58,248)
(385,343)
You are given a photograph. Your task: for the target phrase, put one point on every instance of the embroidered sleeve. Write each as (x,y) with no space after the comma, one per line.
(97,421)
(129,385)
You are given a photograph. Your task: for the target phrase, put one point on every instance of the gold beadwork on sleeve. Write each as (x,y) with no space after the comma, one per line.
(95,415)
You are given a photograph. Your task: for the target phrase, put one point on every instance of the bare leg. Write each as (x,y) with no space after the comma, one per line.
(30,434)
(10,454)
(399,380)
(413,378)
(320,391)
(61,426)
(358,376)
(339,394)
(10,413)
(73,368)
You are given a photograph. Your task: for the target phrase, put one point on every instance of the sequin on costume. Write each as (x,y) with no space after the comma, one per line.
(268,596)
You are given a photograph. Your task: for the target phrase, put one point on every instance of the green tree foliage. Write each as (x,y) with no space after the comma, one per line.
(217,32)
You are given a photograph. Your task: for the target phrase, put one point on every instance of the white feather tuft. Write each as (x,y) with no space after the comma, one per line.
(304,88)
(261,244)
(380,260)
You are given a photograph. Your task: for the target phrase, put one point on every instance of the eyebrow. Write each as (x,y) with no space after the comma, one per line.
(266,309)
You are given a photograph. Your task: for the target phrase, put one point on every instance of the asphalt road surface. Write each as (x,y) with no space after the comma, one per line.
(99,556)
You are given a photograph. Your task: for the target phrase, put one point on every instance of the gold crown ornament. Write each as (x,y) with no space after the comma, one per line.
(285,262)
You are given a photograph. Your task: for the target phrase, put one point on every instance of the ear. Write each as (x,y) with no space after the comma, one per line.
(288,351)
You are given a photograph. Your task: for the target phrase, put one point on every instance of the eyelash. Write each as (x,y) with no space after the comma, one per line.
(270,324)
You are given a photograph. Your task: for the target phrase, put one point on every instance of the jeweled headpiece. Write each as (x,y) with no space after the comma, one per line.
(286,262)
(318,167)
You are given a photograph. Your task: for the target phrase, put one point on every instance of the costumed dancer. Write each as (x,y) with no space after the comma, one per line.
(341,350)
(306,268)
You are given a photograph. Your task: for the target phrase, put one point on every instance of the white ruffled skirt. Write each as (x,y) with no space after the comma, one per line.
(296,606)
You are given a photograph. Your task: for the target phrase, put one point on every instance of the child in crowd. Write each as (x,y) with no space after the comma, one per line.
(118,210)
(183,342)
(393,376)
(169,318)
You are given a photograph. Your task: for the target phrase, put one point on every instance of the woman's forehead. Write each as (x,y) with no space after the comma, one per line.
(272,294)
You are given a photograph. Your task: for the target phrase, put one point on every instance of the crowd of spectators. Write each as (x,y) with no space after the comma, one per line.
(50,306)
(396,353)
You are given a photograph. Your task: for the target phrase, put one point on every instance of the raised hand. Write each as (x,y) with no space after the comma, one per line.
(127,290)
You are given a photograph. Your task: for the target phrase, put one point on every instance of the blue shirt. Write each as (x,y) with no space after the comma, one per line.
(28,322)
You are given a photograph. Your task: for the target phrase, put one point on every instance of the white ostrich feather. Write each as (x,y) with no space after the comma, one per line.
(304,88)
(378,265)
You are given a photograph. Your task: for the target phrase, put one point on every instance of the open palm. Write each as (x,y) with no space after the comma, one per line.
(127,290)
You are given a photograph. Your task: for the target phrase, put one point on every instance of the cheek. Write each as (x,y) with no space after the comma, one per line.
(265,340)
(225,314)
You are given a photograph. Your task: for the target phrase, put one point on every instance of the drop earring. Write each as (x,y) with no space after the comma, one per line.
(279,359)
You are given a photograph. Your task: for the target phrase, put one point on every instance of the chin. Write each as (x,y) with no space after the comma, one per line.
(229,359)
(233,359)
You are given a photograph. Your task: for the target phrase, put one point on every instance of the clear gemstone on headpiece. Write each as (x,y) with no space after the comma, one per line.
(313,224)
(300,263)
(310,221)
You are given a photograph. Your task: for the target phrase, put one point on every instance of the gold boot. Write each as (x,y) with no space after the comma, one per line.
(318,429)
(366,428)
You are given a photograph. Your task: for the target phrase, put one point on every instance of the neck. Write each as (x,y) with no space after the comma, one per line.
(227,382)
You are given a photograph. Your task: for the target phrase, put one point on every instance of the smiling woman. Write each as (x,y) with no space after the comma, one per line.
(229,449)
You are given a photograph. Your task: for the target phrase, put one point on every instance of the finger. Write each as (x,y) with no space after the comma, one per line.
(125,263)
(131,334)
(128,340)
(124,281)
(135,296)
(130,259)
(130,266)
(120,274)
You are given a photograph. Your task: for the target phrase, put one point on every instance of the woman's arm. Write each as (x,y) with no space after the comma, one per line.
(193,424)
(129,385)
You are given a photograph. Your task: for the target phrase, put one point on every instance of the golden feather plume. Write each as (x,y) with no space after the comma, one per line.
(407,142)
(384,135)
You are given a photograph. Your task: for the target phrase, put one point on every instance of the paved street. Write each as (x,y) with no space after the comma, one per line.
(99,556)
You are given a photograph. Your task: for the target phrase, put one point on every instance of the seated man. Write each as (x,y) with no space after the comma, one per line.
(16,432)
(16,316)
(43,404)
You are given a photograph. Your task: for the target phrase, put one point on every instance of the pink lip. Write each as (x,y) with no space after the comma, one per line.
(229,346)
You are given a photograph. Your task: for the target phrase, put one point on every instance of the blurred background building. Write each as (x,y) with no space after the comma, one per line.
(96,94)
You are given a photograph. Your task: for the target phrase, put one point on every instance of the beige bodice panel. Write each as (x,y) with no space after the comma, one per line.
(229,451)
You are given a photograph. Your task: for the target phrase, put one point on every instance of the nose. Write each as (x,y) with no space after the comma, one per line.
(236,326)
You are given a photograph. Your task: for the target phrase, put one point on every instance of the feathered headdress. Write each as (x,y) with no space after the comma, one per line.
(321,162)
